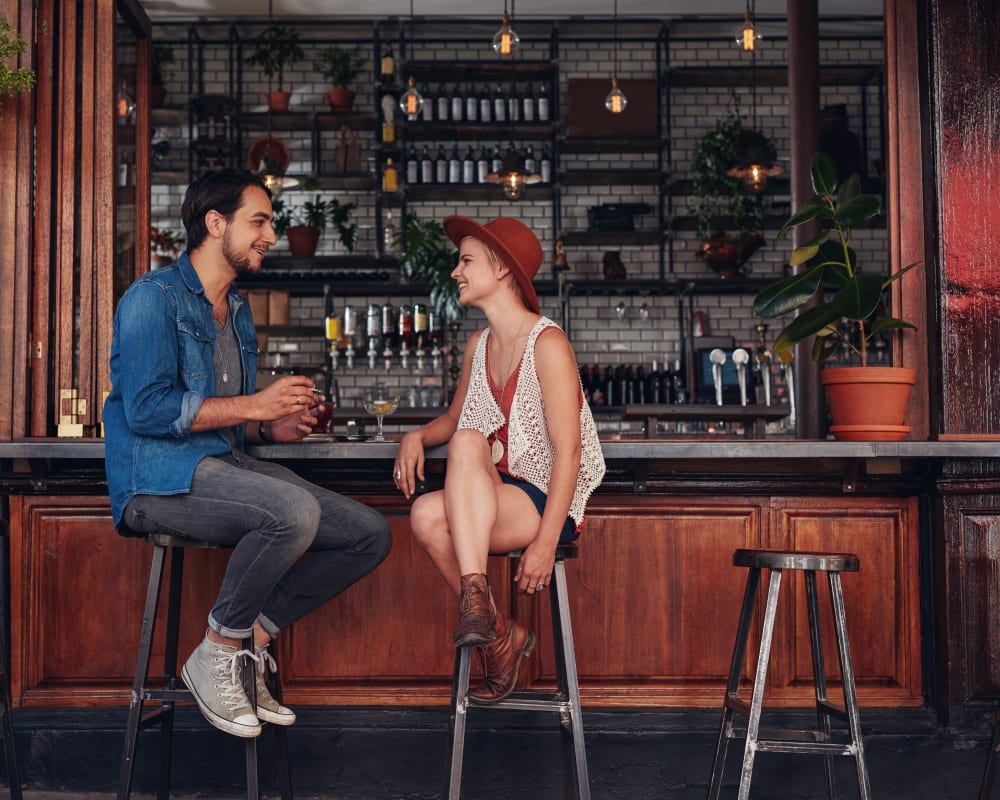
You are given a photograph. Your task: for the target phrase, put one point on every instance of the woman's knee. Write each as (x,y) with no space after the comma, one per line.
(427,519)
(469,448)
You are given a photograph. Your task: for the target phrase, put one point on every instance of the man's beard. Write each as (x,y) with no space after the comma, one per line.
(241,264)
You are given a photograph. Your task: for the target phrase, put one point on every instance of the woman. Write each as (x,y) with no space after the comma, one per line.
(523,453)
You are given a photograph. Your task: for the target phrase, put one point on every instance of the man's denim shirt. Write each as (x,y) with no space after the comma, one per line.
(161,370)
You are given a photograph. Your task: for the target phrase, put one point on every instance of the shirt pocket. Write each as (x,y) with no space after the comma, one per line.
(196,349)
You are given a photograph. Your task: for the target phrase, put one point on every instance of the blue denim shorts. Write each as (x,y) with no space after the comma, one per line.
(569,532)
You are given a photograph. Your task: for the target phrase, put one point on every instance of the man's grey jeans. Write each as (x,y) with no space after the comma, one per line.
(271,517)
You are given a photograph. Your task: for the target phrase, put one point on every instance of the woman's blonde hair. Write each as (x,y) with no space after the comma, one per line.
(493,258)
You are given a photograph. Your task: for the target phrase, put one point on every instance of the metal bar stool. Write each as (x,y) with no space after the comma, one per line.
(989,771)
(10,754)
(817,742)
(173,689)
(565,701)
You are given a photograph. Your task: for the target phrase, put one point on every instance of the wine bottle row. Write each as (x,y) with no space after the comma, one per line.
(483,106)
(431,168)
(628,384)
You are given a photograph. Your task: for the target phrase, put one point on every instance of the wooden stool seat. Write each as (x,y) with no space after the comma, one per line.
(818,741)
(565,701)
(173,690)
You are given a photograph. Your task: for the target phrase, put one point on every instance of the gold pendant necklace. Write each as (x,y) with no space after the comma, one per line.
(496,449)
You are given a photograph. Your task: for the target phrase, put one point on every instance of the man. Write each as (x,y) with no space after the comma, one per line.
(183,404)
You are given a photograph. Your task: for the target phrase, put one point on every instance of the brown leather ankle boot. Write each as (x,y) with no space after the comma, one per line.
(501,660)
(477,620)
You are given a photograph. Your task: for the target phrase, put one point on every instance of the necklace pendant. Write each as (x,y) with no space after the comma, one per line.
(496,451)
(225,377)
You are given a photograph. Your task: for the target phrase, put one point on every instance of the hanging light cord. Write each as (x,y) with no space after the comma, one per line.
(615,55)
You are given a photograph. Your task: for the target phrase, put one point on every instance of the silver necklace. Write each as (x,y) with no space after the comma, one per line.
(223,352)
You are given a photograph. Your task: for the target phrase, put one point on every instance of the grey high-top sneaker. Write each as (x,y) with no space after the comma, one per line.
(269,709)
(214,674)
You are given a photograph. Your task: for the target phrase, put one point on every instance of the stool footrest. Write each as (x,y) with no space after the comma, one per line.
(831,709)
(814,748)
(169,695)
(529,702)
(737,705)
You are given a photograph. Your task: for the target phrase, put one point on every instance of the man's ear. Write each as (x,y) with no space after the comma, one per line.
(215,223)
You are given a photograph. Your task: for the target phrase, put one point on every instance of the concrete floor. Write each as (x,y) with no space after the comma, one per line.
(391,754)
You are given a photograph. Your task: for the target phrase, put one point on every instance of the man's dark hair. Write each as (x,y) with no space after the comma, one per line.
(220,191)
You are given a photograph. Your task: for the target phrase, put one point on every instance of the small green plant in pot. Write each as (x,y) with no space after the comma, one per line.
(341,67)
(831,274)
(273,49)
(309,220)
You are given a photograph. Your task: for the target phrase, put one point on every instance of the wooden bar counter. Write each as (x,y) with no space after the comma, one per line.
(654,595)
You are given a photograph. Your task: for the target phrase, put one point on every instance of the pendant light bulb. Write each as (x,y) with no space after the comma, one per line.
(505,40)
(411,100)
(616,100)
(513,186)
(748,36)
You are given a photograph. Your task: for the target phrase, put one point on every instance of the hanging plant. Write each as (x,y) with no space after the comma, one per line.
(718,195)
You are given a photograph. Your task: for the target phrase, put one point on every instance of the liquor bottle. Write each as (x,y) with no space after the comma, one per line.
(528,105)
(469,167)
(653,385)
(388,324)
(679,384)
(404,327)
(482,166)
(530,164)
(545,166)
(457,103)
(628,385)
(388,69)
(419,325)
(499,105)
(441,166)
(426,166)
(412,166)
(621,386)
(496,160)
(597,397)
(442,104)
(389,235)
(609,386)
(427,109)
(389,180)
(454,166)
(485,105)
(639,387)
(471,104)
(513,105)
(543,103)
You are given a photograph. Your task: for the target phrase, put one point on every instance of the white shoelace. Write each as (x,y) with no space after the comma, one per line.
(229,683)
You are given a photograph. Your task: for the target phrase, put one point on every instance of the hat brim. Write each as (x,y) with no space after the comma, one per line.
(458,227)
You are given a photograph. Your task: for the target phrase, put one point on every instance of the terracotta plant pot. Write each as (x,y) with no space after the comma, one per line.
(302,240)
(340,99)
(279,101)
(868,403)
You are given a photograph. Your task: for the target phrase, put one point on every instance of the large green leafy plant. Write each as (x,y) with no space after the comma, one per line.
(429,257)
(830,272)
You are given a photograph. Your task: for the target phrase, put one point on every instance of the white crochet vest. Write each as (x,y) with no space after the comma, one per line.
(530,453)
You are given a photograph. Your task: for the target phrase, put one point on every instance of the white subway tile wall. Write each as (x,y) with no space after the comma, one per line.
(647,326)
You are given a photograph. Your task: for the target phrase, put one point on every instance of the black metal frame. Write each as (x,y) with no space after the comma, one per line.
(565,701)
(173,689)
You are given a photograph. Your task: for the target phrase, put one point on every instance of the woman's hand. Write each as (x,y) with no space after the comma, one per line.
(409,465)
(535,567)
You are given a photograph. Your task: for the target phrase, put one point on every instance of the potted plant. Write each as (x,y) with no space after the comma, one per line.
(12,80)
(830,273)
(305,224)
(162,55)
(428,258)
(273,49)
(717,194)
(164,245)
(340,67)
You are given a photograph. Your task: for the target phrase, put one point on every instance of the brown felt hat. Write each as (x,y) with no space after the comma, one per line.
(510,239)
